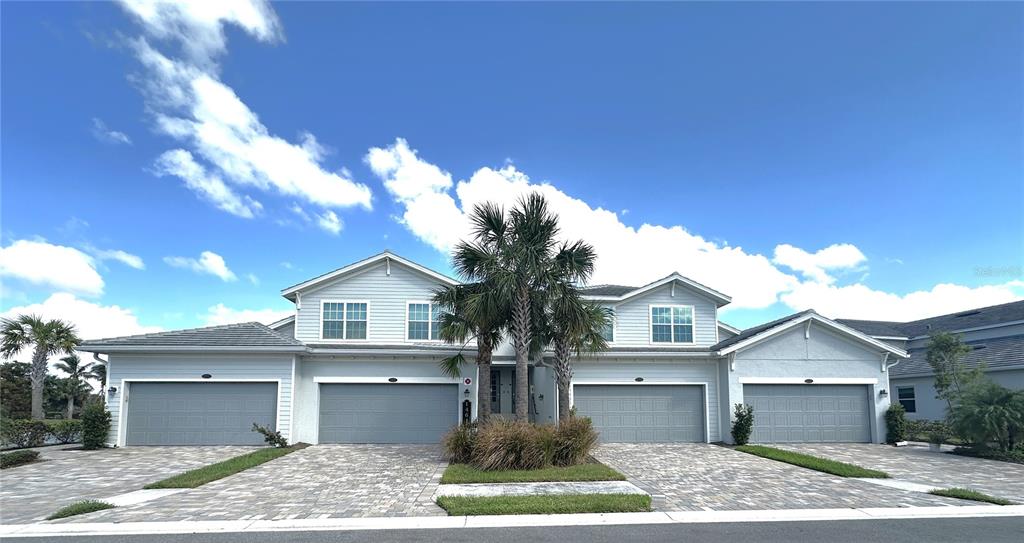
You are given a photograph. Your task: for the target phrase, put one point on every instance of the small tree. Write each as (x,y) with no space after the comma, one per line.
(895,423)
(15,390)
(952,377)
(95,425)
(742,423)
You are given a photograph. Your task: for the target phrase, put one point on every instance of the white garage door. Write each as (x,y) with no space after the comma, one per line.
(643,413)
(809,413)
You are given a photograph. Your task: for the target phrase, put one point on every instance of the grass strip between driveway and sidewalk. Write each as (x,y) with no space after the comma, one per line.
(834,467)
(220,470)
(458,506)
(968,494)
(594,471)
(80,508)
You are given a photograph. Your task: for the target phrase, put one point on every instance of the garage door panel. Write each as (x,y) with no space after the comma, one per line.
(386,413)
(809,413)
(643,413)
(208,413)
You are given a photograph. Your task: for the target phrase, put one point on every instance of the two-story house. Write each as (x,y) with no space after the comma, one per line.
(995,335)
(358,363)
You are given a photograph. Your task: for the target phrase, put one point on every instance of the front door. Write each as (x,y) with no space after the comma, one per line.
(503,396)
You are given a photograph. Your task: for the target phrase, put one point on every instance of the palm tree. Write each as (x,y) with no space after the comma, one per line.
(49,337)
(77,372)
(989,412)
(99,373)
(482,321)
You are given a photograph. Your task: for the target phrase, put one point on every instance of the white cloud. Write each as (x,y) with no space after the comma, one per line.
(192,105)
(221,314)
(92,321)
(329,221)
(42,263)
(124,257)
(635,256)
(108,135)
(208,262)
(253,279)
(815,266)
(287,265)
(859,301)
(209,187)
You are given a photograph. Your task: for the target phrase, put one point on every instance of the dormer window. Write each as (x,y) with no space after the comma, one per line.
(671,324)
(344,320)
(423,322)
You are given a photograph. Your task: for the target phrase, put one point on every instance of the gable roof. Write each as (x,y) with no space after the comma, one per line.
(291,291)
(996,353)
(277,325)
(952,322)
(729,328)
(752,336)
(619,293)
(246,336)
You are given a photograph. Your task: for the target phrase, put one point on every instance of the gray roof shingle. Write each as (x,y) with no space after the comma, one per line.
(995,353)
(246,334)
(961,320)
(607,290)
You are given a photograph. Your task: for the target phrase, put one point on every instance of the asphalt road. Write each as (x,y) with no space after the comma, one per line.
(991,529)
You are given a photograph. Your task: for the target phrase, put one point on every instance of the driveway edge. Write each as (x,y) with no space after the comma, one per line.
(408,523)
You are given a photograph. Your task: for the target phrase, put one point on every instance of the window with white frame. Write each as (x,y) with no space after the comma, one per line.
(907,399)
(424,321)
(672,324)
(344,320)
(608,331)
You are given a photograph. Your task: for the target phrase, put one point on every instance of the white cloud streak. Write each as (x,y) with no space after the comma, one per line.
(124,257)
(816,266)
(211,188)
(208,263)
(222,314)
(41,263)
(108,135)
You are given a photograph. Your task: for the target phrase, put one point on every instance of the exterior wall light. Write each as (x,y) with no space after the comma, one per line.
(883,393)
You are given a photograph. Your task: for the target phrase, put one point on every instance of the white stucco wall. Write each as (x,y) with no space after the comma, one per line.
(825,356)
(124,368)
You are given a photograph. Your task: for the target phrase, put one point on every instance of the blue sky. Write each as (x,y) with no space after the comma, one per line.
(866,160)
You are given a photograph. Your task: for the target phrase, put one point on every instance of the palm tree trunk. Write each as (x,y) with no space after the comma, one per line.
(38,377)
(71,406)
(483,385)
(521,339)
(563,377)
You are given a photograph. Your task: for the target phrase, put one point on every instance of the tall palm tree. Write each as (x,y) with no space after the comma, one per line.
(77,372)
(99,373)
(482,321)
(49,338)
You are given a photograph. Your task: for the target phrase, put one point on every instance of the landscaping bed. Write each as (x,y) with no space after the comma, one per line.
(591,471)
(539,505)
(825,465)
(18,458)
(220,470)
(968,494)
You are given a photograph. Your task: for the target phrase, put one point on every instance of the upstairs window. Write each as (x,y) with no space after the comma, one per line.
(672,324)
(424,322)
(344,320)
(608,332)
(907,399)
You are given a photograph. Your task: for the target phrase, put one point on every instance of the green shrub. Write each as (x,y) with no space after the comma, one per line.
(573,440)
(989,413)
(23,432)
(938,431)
(271,437)
(458,444)
(917,430)
(742,423)
(17,458)
(504,445)
(895,423)
(95,425)
(1016,455)
(65,431)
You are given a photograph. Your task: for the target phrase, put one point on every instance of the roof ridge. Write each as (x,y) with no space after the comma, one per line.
(165,332)
(275,333)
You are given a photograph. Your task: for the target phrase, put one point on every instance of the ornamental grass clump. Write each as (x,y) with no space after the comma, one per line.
(574,438)
(458,444)
(505,445)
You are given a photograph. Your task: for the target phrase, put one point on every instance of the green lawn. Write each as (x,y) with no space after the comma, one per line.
(595,471)
(968,494)
(220,470)
(80,508)
(545,505)
(841,469)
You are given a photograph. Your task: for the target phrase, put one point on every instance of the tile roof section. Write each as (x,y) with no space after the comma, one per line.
(246,334)
(1004,352)
(961,320)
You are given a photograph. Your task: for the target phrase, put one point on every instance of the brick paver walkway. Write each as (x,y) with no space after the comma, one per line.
(918,465)
(32,492)
(697,476)
(321,481)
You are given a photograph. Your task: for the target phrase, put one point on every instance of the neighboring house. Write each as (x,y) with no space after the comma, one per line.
(996,337)
(358,363)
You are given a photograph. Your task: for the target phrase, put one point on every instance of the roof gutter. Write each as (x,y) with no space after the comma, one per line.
(104,349)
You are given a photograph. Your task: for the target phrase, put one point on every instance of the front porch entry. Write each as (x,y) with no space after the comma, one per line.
(503,397)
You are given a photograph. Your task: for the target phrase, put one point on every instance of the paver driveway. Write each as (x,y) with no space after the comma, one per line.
(31,493)
(320,481)
(918,465)
(697,476)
